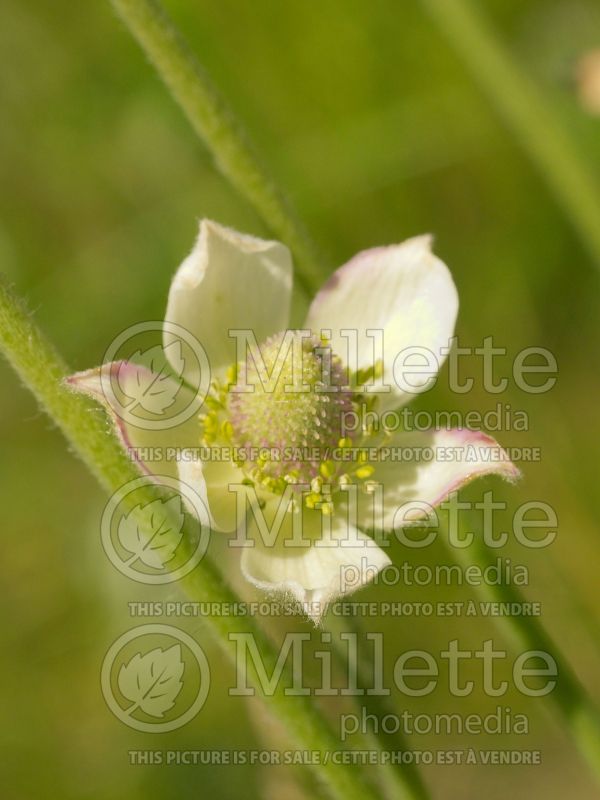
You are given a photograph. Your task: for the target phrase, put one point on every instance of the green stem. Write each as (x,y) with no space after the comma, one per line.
(527,113)
(397,780)
(42,370)
(214,122)
(526,633)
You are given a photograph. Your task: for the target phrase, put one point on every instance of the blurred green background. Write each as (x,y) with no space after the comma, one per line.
(370,121)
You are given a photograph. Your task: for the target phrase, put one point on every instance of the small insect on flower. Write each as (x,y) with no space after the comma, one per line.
(307,494)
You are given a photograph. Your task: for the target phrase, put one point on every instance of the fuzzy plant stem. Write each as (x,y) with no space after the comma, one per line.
(214,122)
(43,371)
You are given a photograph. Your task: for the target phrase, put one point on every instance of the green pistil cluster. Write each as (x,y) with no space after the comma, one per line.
(281,412)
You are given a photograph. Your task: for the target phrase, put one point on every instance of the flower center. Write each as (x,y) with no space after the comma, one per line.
(281,415)
(287,407)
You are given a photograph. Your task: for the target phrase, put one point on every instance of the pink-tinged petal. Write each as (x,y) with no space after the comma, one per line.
(336,562)
(213,479)
(151,434)
(406,294)
(229,281)
(435,464)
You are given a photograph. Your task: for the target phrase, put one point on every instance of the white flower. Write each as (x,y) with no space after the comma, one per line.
(373,308)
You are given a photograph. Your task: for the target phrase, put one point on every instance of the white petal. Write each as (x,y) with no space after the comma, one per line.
(336,562)
(212,479)
(229,281)
(405,292)
(150,449)
(458,457)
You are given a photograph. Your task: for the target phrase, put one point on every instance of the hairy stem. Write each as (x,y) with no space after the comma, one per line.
(42,371)
(396,780)
(214,122)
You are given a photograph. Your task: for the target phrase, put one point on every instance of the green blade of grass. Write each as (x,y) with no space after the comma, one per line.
(526,113)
